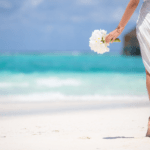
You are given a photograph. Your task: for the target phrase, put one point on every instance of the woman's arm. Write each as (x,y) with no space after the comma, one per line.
(131,7)
(128,12)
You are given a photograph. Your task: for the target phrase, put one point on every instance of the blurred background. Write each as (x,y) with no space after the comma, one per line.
(45,53)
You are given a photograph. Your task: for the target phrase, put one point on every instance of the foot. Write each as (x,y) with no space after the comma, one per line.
(148,131)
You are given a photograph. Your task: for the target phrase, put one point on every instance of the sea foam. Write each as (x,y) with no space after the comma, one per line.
(57,96)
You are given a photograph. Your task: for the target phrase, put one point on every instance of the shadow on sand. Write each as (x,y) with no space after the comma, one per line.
(118,137)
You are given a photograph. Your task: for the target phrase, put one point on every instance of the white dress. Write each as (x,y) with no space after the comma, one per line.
(143,33)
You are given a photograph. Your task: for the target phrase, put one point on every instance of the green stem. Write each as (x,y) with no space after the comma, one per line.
(116,40)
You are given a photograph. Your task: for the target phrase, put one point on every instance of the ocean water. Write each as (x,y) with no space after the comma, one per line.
(56,77)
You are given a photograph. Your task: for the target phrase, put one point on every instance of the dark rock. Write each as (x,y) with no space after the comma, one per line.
(131,44)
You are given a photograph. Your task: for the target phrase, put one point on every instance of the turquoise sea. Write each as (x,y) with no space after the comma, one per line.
(71,77)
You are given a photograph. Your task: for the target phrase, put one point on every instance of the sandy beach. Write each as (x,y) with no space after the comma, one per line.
(74,125)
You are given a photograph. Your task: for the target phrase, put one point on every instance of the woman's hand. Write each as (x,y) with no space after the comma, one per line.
(113,35)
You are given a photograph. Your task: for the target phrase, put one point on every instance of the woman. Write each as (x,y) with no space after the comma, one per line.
(143,36)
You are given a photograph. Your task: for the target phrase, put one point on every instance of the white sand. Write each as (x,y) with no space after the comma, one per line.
(74,126)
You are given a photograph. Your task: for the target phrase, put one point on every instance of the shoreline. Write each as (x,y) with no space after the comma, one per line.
(28,108)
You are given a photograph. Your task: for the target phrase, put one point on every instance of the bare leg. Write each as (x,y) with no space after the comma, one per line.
(148,90)
(148,131)
(148,82)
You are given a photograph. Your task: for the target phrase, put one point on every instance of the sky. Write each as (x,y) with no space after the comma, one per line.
(33,26)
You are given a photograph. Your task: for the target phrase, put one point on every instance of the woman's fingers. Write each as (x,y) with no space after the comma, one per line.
(112,35)
(113,39)
(108,38)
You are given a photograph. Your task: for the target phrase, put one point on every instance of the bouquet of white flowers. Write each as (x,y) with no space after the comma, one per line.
(97,41)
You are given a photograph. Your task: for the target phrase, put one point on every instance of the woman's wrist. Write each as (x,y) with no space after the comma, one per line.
(120,28)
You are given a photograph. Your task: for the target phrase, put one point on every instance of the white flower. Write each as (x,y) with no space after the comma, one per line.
(96,43)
